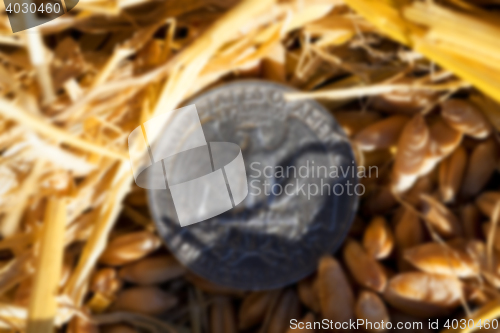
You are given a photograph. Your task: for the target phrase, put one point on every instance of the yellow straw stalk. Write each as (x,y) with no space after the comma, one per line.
(43,307)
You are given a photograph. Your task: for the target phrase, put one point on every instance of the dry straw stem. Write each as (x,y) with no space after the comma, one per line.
(13,112)
(191,61)
(10,223)
(43,308)
(37,54)
(464,43)
(12,317)
(374,90)
(96,244)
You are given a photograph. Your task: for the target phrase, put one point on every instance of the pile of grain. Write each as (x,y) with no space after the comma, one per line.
(78,248)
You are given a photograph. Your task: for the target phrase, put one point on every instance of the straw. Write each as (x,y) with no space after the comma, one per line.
(43,308)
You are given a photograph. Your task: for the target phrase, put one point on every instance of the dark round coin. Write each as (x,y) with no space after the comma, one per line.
(302,184)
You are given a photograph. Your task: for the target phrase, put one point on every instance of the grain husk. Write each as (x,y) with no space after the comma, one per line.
(152,270)
(442,259)
(482,164)
(222,317)
(364,268)
(145,300)
(466,118)
(439,217)
(254,307)
(371,308)
(308,293)
(287,308)
(382,134)
(129,248)
(424,295)
(411,153)
(332,286)
(451,173)
(378,239)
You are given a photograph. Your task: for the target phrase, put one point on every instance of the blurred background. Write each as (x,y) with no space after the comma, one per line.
(414,84)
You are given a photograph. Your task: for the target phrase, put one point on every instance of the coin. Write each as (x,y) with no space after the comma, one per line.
(299,166)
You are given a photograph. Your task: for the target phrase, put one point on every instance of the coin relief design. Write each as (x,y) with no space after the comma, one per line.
(278,233)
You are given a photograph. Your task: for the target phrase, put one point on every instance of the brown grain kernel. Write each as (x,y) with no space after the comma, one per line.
(211,287)
(408,232)
(442,259)
(118,328)
(146,300)
(442,141)
(254,308)
(288,308)
(357,227)
(424,295)
(441,219)
(378,240)
(137,197)
(365,269)
(23,292)
(307,322)
(451,173)
(308,293)
(372,309)
(425,184)
(403,102)
(105,281)
(382,134)
(153,270)
(443,138)
(81,325)
(381,201)
(482,164)
(222,318)
(488,107)
(377,158)
(130,247)
(408,229)
(411,153)
(486,202)
(470,218)
(333,286)
(354,121)
(465,117)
